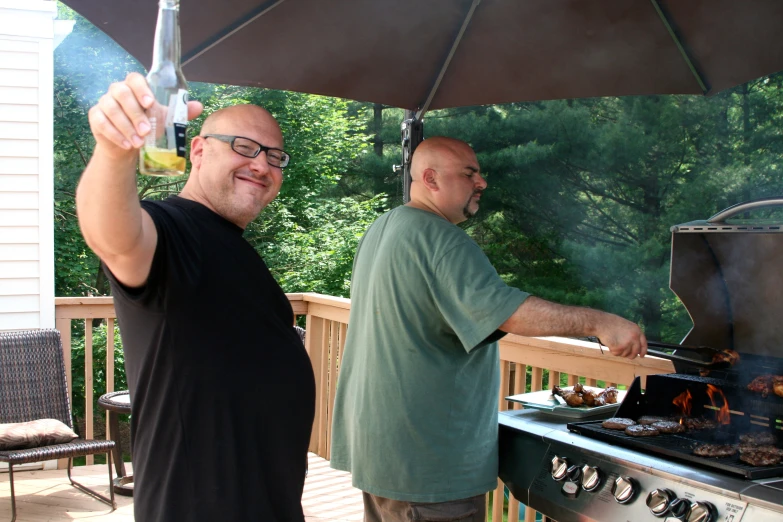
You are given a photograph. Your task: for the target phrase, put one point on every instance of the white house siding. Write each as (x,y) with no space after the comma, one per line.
(28,32)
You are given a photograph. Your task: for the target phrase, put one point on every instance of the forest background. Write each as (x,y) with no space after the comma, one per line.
(582,193)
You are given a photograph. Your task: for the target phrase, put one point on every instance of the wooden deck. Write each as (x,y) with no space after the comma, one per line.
(48,496)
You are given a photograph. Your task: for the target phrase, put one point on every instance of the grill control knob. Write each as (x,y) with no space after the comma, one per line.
(624,489)
(574,473)
(591,478)
(679,508)
(702,512)
(659,501)
(559,468)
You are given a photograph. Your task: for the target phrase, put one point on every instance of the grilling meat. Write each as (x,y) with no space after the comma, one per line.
(744,448)
(640,430)
(699,423)
(761,384)
(617,423)
(777,385)
(651,419)
(714,450)
(668,426)
(759,438)
(728,356)
(760,458)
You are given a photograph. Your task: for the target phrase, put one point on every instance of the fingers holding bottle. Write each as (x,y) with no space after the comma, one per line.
(118,121)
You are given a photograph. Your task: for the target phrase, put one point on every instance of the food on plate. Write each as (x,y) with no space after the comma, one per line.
(641,430)
(611,395)
(581,395)
(668,426)
(760,458)
(593,397)
(714,450)
(758,438)
(651,419)
(572,398)
(617,423)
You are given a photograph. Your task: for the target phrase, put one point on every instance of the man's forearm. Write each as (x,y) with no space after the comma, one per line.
(107,204)
(539,318)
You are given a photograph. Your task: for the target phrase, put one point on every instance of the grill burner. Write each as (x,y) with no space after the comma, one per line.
(748,414)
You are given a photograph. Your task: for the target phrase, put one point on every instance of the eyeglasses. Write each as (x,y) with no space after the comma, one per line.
(251,148)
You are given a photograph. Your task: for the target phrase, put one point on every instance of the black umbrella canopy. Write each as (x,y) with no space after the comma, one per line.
(432,54)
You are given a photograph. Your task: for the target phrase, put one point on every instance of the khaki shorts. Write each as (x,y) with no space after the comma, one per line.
(379,509)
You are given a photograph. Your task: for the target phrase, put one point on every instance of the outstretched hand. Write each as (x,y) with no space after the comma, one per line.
(118,121)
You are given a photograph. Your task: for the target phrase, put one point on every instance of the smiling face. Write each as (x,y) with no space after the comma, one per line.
(234,186)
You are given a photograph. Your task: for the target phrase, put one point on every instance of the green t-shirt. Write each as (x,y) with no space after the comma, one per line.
(415,416)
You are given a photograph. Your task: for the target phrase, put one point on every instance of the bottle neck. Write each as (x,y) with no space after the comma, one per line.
(166,47)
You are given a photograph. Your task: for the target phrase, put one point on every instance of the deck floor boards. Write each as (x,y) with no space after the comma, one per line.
(47,496)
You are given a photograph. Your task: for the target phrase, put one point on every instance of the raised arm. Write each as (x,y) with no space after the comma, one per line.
(537,317)
(110,216)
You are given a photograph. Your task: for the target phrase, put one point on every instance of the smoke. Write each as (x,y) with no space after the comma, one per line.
(88,62)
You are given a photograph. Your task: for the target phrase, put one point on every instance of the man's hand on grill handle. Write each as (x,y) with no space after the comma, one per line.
(538,317)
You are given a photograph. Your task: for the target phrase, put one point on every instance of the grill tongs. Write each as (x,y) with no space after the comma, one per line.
(713,358)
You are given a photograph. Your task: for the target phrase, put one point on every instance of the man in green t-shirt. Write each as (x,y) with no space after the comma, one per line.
(415,417)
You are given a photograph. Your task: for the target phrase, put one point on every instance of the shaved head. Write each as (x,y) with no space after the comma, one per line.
(217,120)
(434,152)
(446,179)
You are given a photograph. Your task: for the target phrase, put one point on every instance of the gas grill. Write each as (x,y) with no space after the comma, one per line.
(727,276)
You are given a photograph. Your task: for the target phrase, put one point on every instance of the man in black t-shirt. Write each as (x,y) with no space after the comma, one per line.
(222,389)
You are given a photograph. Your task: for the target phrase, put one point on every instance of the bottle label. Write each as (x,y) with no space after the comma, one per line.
(177,120)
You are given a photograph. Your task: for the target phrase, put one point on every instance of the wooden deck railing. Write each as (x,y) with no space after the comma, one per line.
(326,324)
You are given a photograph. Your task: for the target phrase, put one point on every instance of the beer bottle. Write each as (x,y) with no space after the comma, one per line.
(163,153)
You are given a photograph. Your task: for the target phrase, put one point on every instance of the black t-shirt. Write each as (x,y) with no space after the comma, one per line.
(222,389)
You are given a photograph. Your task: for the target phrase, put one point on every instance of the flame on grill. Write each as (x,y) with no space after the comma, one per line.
(724,416)
(684,402)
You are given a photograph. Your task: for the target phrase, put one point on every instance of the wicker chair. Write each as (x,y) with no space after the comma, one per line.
(33,386)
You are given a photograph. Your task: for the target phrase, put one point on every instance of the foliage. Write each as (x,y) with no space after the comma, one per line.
(99,343)
(581,192)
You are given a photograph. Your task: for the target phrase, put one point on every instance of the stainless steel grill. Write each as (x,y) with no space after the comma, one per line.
(727,276)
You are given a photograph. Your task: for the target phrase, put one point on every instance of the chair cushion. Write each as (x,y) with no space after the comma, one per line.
(34,434)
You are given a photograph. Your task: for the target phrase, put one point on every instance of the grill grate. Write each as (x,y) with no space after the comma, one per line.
(661,389)
(679,447)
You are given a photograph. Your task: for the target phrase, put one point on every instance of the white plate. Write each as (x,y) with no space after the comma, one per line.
(544,401)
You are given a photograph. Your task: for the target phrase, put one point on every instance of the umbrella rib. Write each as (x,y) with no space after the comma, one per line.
(229,30)
(447,61)
(684,52)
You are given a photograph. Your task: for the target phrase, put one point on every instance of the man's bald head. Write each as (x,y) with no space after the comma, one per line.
(435,152)
(215,121)
(446,179)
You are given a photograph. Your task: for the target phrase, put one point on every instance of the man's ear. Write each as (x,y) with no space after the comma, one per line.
(430,179)
(196,150)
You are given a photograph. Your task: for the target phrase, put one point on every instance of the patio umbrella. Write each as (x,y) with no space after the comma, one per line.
(431,54)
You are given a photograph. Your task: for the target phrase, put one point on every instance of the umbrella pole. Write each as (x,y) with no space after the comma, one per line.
(412,133)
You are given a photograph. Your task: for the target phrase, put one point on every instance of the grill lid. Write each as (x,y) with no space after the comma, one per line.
(730,279)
